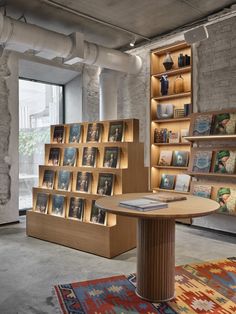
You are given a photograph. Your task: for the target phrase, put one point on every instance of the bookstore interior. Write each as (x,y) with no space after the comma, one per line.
(117,157)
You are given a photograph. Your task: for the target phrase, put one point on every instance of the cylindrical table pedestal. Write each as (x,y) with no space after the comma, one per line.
(156,259)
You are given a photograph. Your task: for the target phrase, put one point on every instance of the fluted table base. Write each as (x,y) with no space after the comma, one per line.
(156,259)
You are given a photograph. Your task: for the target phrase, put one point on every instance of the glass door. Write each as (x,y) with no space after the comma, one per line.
(40,105)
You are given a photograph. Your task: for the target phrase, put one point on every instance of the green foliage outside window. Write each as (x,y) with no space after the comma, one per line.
(30,140)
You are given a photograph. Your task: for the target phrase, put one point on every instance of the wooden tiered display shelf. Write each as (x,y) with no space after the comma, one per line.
(178,100)
(119,233)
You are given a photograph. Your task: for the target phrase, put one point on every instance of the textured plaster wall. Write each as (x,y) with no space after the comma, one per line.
(8,138)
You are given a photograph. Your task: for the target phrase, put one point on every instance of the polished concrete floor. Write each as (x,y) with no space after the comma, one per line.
(29,267)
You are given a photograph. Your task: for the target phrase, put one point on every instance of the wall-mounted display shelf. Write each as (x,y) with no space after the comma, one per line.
(85,161)
(213,158)
(170,118)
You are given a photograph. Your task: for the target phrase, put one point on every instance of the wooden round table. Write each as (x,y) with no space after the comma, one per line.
(156,240)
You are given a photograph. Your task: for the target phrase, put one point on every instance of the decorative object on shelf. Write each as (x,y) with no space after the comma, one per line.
(42,202)
(224,124)
(179,84)
(179,113)
(98,215)
(182,183)
(116,131)
(167,182)
(225,162)
(165,158)
(202,190)
(58,205)
(105,183)
(183,60)
(183,134)
(187,60)
(202,124)
(76,208)
(111,157)
(168,62)
(187,109)
(164,85)
(161,136)
(165,111)
(180,158)
(226,197)
(202,161)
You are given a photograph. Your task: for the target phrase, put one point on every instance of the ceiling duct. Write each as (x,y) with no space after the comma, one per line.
(19,36)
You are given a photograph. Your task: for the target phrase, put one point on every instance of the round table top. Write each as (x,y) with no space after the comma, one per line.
(193,206)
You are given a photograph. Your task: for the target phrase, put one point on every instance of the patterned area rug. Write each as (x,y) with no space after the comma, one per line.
(200,288)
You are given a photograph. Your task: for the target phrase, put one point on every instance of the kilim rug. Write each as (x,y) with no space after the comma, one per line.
(200,288)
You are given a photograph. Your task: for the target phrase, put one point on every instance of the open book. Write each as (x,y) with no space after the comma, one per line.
(143,204)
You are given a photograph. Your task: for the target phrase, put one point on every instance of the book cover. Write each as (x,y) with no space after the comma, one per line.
(83,182)
(180,158)
(76,208)
(173,137)
(202,125)
(165,158)
(97,216)
(105,183)
(58,134)
(70,156)
(116,131)
(89,156)
(167,181)
(202,161)
(182,183)
(54,156)
(48,179)
(111,157)
(143,204)
(202,190)
(41,205)
(75,133)
(166,197)
(58,205)
(225,162)
(226,197)
(183,134)
(94,132)
(64,180)
(224,124)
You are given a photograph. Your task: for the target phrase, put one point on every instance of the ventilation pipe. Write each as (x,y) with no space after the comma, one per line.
(19,36)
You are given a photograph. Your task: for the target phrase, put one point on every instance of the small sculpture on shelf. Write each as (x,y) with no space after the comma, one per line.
(179,85)
(164,85)
(165,111)
(168,62)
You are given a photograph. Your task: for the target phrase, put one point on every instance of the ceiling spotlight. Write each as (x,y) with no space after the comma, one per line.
(133,41)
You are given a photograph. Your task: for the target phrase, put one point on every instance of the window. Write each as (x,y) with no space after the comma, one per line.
(40,105)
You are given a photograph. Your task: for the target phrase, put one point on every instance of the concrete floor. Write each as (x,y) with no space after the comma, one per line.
(29,267)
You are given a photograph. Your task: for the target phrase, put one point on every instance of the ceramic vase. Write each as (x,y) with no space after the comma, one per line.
(164,85)
(179,85)
(168,62)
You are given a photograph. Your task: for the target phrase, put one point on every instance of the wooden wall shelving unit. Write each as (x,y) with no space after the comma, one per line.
(119,233)
(178,100)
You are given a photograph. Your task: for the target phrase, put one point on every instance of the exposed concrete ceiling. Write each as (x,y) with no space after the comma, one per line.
(149,18)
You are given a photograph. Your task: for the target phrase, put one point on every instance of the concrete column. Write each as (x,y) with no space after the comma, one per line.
(108,88)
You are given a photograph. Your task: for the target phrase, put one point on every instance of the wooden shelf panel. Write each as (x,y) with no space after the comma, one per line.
(170,167)
(171,191)
(185,69)
(171,144)
(174,96)
(211,174)
(67,193)
(210,138)
(174,120)
(170,48)
(85,169)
